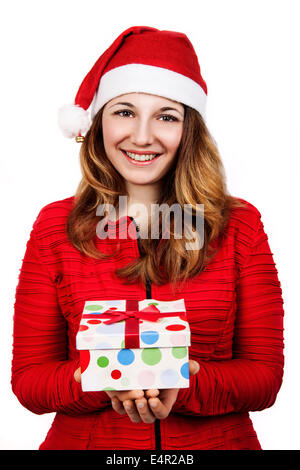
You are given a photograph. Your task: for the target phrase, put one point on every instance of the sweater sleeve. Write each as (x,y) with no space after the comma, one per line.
(42,376)
(250,380)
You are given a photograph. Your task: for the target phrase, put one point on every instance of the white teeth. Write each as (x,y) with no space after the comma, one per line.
(141,158)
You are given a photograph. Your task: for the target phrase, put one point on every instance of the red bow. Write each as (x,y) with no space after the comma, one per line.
(132,317)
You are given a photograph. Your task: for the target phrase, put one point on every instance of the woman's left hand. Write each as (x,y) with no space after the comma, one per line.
(156,407)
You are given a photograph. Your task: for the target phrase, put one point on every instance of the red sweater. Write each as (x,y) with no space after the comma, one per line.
(235,312)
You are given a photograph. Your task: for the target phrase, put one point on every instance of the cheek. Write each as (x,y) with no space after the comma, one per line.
(112,134)
(172,138)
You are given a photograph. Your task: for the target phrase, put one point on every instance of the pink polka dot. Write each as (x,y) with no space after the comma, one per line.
(146,378)
(175,327)
(87,339)
(178,339)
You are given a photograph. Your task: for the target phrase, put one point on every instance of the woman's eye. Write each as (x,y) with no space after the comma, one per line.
(121,113)
(170,117)
(165,117)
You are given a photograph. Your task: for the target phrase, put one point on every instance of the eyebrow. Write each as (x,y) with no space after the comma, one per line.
(130,105)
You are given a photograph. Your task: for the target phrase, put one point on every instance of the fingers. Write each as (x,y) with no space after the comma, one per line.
(117,405)
(151,393)
(159,410)
(77,375)
(137,410)
(194,367)
(131,411)
(125,394)
(144,411)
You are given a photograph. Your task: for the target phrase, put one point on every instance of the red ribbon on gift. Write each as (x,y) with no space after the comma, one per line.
(132,317)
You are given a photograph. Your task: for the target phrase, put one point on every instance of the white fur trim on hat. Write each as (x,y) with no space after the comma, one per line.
(73,120)
(149,79)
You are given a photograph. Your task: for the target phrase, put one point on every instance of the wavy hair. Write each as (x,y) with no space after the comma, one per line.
(197,177)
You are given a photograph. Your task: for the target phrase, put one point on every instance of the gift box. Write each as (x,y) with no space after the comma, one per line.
(131,345)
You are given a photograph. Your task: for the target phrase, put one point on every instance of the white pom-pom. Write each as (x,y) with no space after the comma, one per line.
(73,120)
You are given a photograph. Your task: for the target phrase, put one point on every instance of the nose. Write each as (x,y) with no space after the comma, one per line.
(142,133)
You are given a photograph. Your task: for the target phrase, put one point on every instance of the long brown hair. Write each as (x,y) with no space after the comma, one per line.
(197,177)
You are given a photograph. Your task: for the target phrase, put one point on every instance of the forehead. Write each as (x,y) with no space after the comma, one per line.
(139,98)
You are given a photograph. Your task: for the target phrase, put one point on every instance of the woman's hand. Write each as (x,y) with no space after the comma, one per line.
(158,405)
(144,406)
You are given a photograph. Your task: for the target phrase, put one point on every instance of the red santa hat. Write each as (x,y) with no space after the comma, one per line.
(141,59)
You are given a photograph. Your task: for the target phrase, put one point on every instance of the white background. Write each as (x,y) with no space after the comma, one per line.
(249,56)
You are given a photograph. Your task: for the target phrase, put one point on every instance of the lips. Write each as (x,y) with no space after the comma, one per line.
(139,163)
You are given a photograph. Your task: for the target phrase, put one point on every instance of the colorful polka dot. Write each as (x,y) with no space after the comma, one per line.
(185,370)
(169,377)
(84,360)
(125,357)
(178,339)
(149,337)
(108,388)
(83,328)
(125,381)
(88,339)
(114,329)
(175,327)
(153,303)
(146,378)
(116,374)
(104,345)
(179,353)
(102,361)
(93,322)
(93,308)
(151,356)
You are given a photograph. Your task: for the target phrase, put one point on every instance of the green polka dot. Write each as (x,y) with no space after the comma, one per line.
(123,344)
(179,352)
(125,381)
(94,308)
(151,356)
(153,303)
(102,361)
(108,388)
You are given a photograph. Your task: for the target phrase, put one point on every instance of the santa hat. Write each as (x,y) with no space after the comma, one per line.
(141,59)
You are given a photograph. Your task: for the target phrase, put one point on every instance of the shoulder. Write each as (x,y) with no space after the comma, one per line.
(52,217)
(245,219)
(244,230)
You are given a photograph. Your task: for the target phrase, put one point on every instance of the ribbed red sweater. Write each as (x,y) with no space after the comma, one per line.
(235,312)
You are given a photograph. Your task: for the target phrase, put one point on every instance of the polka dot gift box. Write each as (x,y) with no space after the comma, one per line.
(130,345)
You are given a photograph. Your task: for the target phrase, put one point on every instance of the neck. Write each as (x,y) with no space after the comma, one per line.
(143,194)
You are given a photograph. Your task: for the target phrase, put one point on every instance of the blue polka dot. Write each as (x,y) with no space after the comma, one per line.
(103,345)
(185,370)
(114,329)
(125,356)
(149,337)
(169,377)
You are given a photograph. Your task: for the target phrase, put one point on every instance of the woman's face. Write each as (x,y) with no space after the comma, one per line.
(142,125)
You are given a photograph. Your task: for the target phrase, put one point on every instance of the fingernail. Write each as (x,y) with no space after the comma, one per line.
(140,405)
(153,404)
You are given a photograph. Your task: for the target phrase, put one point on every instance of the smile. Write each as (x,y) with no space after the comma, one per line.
(140,160)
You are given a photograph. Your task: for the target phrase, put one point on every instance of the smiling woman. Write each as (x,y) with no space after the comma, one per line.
(147,141)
